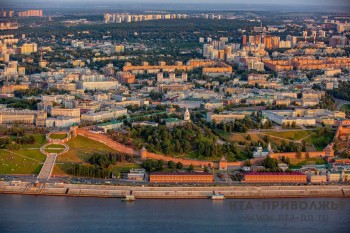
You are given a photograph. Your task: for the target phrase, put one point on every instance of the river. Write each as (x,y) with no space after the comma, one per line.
(21,213)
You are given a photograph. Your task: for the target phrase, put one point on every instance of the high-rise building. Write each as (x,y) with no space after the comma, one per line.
(338,41)
(6,14)
(321,33)
(341,27)
(228,51)
(207,49)
(272,42)
(214,54)
(31,13)
(293,40)
(125,77)
(244,40)
(251,39)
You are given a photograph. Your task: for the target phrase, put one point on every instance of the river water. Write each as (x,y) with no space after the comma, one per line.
(82,214)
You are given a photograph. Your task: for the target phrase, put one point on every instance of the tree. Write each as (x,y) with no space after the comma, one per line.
(171,164)
(152,165)
(190,168)
(270,163)
(247,163)
(298,152)
(179,165)
(206,169)
(294,124)
(287,160)
(284,125)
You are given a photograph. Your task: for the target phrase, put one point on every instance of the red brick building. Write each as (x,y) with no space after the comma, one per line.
(181,177)
(275,177)
(125,77)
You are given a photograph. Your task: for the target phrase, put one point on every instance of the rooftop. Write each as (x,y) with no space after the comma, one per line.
(182,173)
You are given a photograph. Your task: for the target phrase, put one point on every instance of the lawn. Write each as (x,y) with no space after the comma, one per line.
(40,140)
(123,167)
(54,148)
(345,108)
(241,138)
(195,155)
(320,142)
(31,153)
(81,149)
(58,136)
(11,162)
(291,135)
(297,163)
(222,134)
(61,169)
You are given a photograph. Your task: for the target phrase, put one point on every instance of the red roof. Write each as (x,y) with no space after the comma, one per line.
(275,173)
(181,173)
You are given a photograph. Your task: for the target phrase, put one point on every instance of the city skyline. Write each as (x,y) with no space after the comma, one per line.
(230,2)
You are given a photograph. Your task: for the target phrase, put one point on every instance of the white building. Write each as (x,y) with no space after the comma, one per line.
(104,115)
(259,152)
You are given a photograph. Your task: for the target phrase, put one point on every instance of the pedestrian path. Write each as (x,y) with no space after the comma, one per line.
(46,170)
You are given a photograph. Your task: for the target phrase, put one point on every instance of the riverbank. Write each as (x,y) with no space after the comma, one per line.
(181,192)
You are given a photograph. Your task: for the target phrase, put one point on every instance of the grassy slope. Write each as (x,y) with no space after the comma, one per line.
(11,163)
(291,135)
(345,107)
(58,136)
(81,150)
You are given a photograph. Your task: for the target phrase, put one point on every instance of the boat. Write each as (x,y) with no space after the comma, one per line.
(218,197)
(129,198)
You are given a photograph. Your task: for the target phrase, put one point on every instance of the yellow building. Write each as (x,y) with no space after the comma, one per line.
(27,117)
(119,48)
(29,48)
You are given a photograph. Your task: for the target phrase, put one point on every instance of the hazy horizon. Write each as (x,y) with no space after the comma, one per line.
(100,6)
(273,2)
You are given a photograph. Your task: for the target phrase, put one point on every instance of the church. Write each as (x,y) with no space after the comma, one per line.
(259,152)
(171,122)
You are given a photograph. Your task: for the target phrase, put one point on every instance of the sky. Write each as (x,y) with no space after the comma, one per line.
(293,2)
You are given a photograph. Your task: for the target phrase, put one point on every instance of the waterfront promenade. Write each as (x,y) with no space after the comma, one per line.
(184,192)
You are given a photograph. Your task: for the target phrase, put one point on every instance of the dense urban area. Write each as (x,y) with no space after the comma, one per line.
(161,97)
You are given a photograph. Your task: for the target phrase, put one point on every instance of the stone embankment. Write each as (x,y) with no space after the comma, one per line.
(181,192)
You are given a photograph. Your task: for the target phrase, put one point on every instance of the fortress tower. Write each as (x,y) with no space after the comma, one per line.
(143,153)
